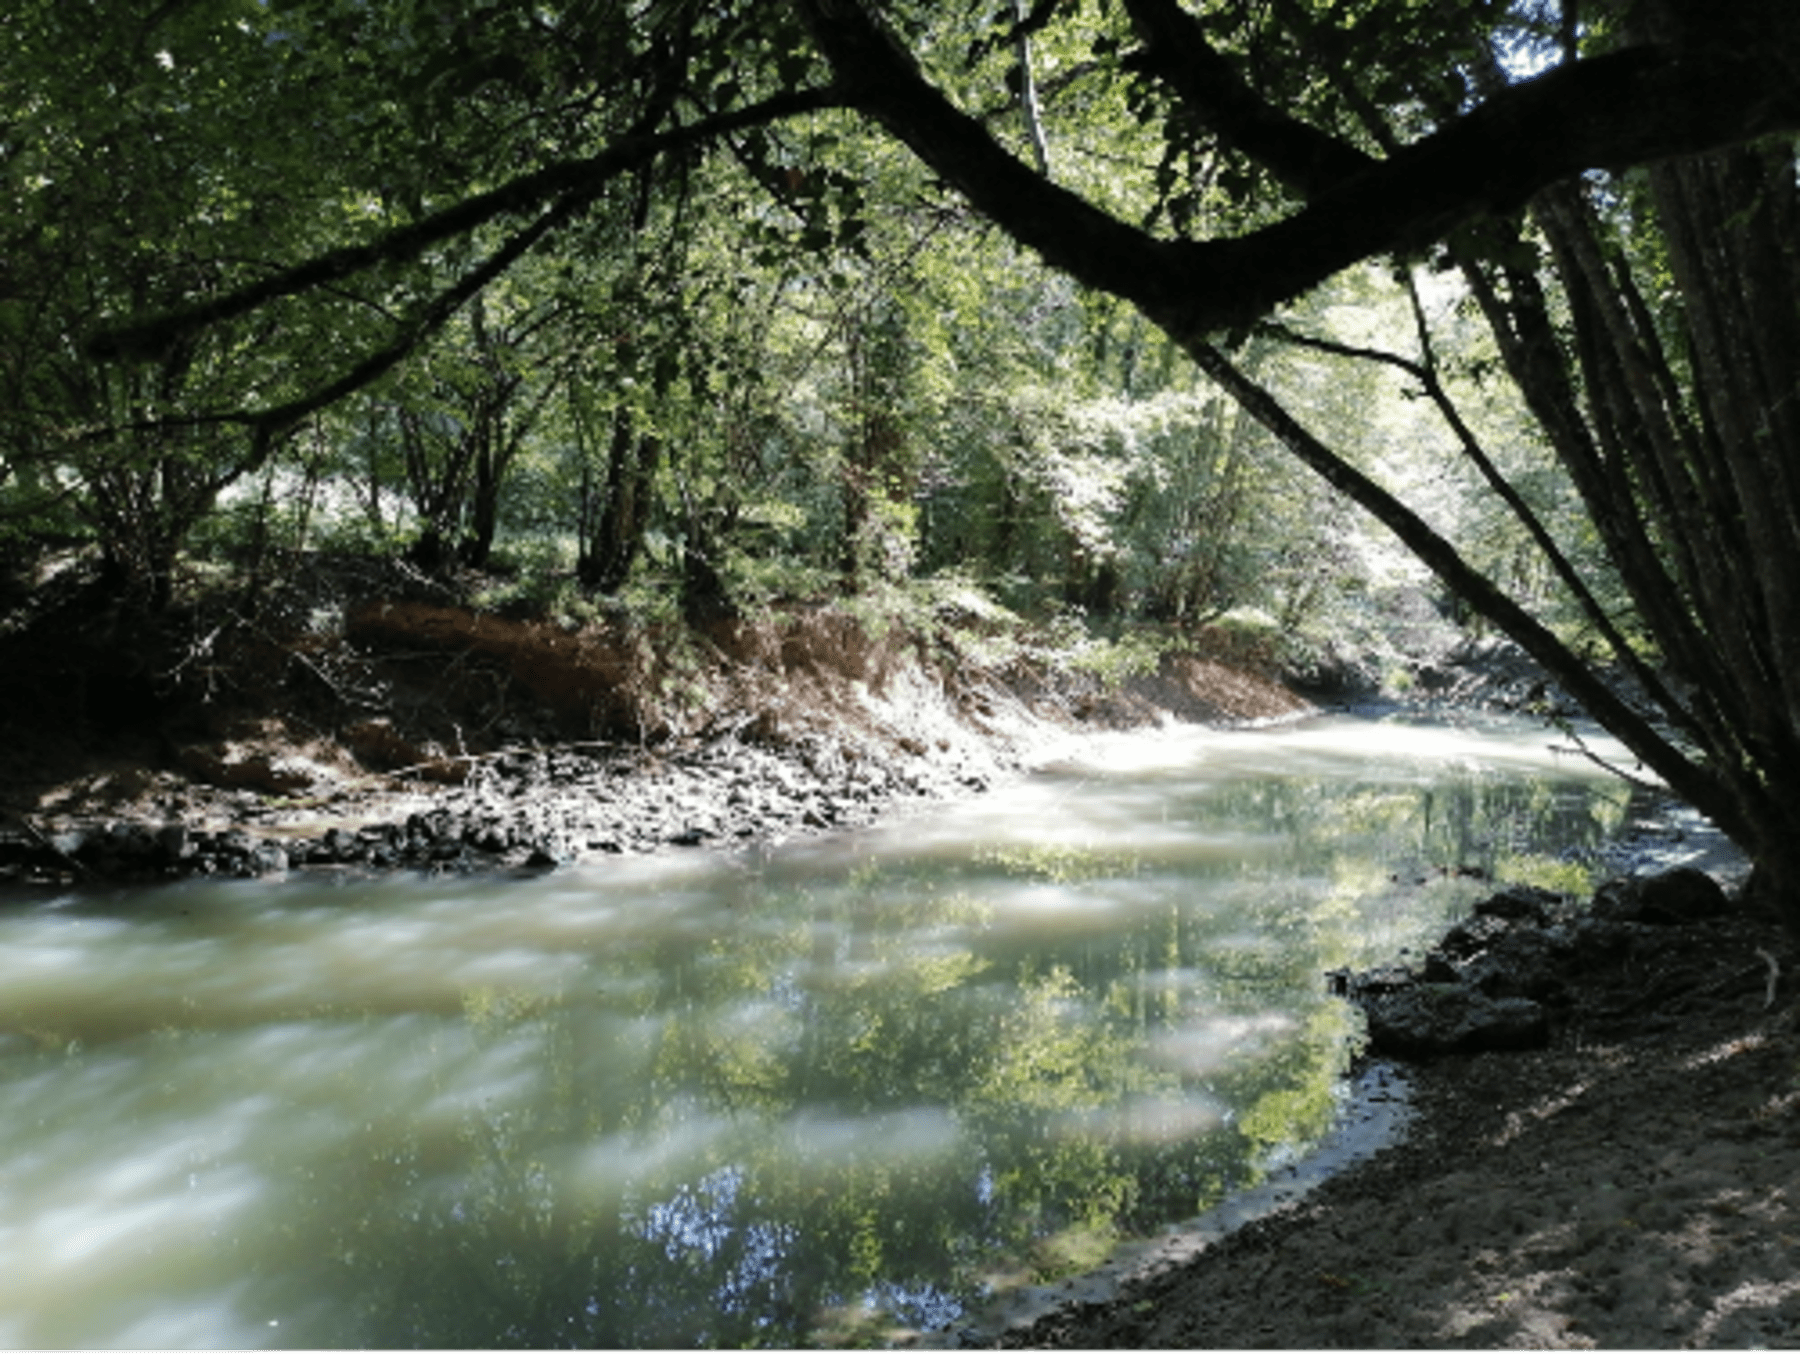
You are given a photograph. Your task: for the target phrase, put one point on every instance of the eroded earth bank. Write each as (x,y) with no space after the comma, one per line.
(368,719)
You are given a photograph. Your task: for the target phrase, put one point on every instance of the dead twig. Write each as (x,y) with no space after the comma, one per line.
(470,757)
(49,845)
(1774,976)
(368,699)
(1568,731)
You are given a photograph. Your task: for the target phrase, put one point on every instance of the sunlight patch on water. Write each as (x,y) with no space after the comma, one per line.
(1203,1048)
(1146,1120)
(1334,744)
(113,1189)
(825,1144)
(1047,903)
(607,1168)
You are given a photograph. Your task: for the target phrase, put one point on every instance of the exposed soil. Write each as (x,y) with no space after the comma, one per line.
(360,716)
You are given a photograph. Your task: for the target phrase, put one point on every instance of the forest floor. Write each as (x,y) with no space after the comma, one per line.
(1635,1184)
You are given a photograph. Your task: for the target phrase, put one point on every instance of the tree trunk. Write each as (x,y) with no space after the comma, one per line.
(880,473)
(623,520)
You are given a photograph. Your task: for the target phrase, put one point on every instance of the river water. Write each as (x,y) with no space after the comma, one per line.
(822,1093)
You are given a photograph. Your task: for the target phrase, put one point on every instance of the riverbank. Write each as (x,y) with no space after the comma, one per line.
(377,721)
(1630,1185)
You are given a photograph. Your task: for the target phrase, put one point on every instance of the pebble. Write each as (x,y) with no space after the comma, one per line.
(535,809)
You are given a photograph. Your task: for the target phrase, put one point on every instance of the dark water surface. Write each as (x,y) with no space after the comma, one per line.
(818,1095)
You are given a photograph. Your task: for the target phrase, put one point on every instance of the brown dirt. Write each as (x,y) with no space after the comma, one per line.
(356,693)
(1636,1185)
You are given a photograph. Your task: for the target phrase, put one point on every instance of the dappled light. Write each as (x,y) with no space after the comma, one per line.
(664,669)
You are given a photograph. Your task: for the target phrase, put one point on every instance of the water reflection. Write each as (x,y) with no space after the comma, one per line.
(699,1101)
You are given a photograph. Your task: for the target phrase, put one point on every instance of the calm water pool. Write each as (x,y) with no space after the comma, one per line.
(813,1095)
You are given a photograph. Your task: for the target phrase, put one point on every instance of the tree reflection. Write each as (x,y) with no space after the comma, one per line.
(871,1100)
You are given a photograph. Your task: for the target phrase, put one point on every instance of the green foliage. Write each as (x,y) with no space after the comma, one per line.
(834,394)
(1058,864)
(1570,877)
(1115,661)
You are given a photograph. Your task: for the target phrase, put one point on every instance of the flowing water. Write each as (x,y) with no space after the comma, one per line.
(810,1096)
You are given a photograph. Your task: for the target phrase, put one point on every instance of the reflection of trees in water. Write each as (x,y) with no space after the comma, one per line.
(851,1097)
(1452,821)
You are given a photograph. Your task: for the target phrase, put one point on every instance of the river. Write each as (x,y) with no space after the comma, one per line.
(821,1093)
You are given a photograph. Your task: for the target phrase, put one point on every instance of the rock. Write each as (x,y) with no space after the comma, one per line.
(1595,940)
(264,858)
(1370,982)
(1471,937)
(1672,898)
(1523,963)
(1430,1019)
(68,842)
(550,852)
(494,838)
(1519,902)
(1439,969)
(128,842)
(176,843)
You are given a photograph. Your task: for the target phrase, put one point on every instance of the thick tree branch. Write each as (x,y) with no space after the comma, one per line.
(1176,51)
(883,81)
(1634,106)
(573,182)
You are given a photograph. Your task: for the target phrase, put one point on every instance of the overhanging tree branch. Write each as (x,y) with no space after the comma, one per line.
(1689,780)
(268,426)
(1627,108)
(574,182)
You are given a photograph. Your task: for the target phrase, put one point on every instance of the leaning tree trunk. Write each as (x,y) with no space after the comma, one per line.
(1732,221)
(1677,425)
